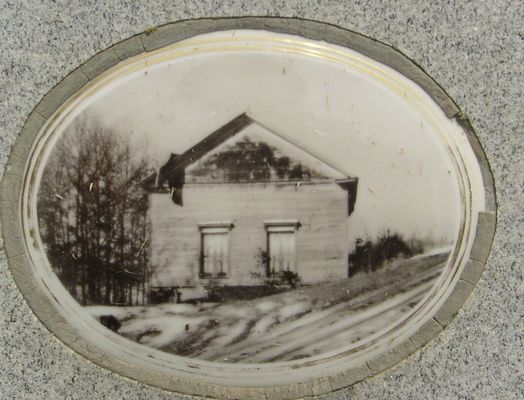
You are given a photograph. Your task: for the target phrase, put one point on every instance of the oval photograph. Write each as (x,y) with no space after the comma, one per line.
(250,197)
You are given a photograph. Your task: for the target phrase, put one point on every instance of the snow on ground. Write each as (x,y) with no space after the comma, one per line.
(287,326)
(159,331)
(118,312)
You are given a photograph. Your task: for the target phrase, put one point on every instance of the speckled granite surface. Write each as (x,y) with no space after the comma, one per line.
(473,49)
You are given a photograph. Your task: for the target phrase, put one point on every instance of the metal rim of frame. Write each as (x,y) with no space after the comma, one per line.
(12,187)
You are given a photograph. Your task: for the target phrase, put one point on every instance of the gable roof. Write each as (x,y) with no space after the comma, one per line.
(173,171)
(176,164)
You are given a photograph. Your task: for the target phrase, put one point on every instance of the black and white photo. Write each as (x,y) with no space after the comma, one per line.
(248,207)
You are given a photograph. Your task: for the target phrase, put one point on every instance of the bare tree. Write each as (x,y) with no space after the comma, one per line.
(93,215)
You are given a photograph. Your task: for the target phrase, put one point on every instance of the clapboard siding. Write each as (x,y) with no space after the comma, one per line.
(322,239)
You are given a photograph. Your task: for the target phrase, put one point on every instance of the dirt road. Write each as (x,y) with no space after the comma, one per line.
(287,326)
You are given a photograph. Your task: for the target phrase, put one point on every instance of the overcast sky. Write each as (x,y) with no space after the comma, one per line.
(406,179)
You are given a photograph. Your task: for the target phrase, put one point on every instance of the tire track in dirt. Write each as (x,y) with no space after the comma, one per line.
(337,323)
(308,325)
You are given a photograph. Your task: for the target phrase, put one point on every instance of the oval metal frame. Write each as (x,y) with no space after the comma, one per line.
(22,270)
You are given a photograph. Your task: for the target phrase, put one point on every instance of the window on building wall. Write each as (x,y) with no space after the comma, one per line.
(281,246)
(214,250)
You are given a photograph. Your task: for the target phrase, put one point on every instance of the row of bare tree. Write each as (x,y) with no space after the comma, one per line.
(92,215)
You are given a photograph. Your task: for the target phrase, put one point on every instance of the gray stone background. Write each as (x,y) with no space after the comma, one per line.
(474,49)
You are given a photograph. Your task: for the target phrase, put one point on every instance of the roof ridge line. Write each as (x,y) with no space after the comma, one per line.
(212,140)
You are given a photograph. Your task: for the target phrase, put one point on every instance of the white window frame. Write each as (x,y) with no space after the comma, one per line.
(210,228)
(281,226)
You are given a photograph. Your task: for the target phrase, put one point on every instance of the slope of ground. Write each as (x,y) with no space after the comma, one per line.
(287,326)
